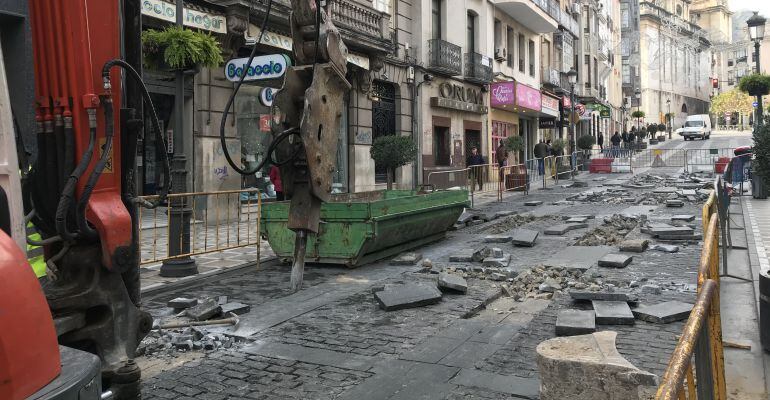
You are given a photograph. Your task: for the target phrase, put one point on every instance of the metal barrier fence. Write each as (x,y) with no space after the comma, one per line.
(219,221)
(701,338)
(657,158)
(706,159)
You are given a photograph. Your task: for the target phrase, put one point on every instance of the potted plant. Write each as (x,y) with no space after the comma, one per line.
(517,178)
(586,143)
(393,151)
(175,48)
(755,84)
(760,180)
(642,134)
(661,132)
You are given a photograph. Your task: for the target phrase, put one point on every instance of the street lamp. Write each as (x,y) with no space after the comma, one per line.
(572,76)
(668,117)
(757,32)
(638,95)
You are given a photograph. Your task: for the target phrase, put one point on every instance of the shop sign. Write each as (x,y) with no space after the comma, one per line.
(528,97)
(267,95)
(460,98)
(566,102)
(550,105)
(546,123)
(502,94)
(264,123)
(166,11)
(263,67)
(603,110)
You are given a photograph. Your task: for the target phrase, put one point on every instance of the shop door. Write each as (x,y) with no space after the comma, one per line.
(383,119)
(473,139)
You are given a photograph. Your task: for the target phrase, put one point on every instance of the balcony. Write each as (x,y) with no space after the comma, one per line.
(742,59)
(361,26)
(533,14)
(444,58)
(551,77)
(478,68)
(661,15)
(569,23)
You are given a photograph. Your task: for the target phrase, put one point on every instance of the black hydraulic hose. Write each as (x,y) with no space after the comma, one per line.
(68,193)
(69,149)
(50,171)
(155,122)
(223,122)
(109,130)
(59,139)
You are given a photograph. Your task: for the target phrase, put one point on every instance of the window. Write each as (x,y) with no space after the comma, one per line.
(679,10)
(441,146)
(435,12)
(471,43)
(625,17)
(586,20)
(531,58)
(522,52)
(596,73)
(500,131)
(626,74)
(511,40)
(383,5)
(731,78)
(625,48)
(383,119)
(498,34)
(588,71)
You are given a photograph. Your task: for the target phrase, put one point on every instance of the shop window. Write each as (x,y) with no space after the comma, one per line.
(442,147)
(500,131)
(383,118)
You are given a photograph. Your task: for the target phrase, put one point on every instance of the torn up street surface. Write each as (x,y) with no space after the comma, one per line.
(460,318)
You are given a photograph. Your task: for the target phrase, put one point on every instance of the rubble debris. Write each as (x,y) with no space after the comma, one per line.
(563,228)
(497,262)
(408,295)
(615,261)
(612,313)
(181,303)
(505,225)
(497,239)
(666,248)
(683,218)
(409,258)
(587,295)
(501,214)
(664,313)
(586,216)
(235,308)
(524,237)
(463,255)
(651,289)
(575,322)
(533,203)
(613,230)
(452,283)
(531,282)
(204,310)
(634,246)
(426,264)
(550,285)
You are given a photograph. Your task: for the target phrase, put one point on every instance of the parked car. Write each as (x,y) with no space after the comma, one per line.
(696,126)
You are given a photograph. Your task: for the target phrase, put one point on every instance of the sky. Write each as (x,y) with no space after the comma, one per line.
(763,6)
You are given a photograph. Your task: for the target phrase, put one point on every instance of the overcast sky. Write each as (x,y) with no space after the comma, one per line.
(763,6)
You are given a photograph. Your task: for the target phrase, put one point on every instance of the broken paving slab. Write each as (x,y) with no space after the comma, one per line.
(452,283)
(577,220)
(634,246)
(408,295)
(637,211)
(586,216)
(575,322)
(577,257)
(497,239)
(587,295)
(532,203)
(463,255)
(182,303)
(563,228)
(501,214)
(409,258)
(666,248)
(613,313)
(683,217)
(524,237)
(497,262)
(664,313)
(615,261)
(674,203)
(204,310)
(235,308)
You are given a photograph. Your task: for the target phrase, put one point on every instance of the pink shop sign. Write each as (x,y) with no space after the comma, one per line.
(528,97)
(501,94)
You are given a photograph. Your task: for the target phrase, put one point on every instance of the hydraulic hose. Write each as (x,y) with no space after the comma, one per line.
(223,121)
(156,126)
(109,131)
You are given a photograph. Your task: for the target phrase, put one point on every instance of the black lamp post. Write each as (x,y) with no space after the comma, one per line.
(668,117)
(572,78)
(757,32)
(638,95)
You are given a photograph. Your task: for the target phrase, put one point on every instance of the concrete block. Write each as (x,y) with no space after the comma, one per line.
(182,302)
(410,258)
(664,313)
(612,313)
(408,295)
(205,310)
(634,246)
(575,322)
(524,237)
(235,308)
(497,239)
(587,295)
(463,255)
(563,228)
(533,203)
(615,261)
(452,283)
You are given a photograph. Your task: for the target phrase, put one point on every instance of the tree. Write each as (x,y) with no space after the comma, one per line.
(637,114)
(393,151)
(514,144)
(734,101)
(586,142)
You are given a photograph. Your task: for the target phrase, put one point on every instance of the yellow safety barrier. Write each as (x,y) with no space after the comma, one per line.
(221,220)
(702,335)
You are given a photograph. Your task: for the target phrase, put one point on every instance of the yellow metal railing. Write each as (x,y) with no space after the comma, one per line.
(701,339)
(219,221)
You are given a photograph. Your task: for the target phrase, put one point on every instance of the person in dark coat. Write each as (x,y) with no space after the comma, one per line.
(541,152)
(600,141)
(616,139)
(475,162)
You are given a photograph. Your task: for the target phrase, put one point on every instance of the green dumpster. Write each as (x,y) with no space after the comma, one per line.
(359,228)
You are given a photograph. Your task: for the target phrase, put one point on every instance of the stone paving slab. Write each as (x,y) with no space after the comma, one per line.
(738,239)
(497,334)
(462,255)
(586,295)
(409,258)
(563,228)
(634,246)
(635,211)
(467,354)
(615,261)
(533,203)
(575,322)
(397,378)
(683,217)
(432,349)
(613,313)
(577,220)
(463,329)
(664,313)
(577,257)
(408,295)
(310,355)
(526,388)
(452,283)
(524,237)
(497,238)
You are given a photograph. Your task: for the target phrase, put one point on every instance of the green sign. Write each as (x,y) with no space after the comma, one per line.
(604,111)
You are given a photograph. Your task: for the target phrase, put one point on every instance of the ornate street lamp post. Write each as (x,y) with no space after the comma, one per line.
(668,117)
(638,95)
(757,32)
(572,77)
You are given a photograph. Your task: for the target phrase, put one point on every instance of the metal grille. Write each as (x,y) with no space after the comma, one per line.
(383,118)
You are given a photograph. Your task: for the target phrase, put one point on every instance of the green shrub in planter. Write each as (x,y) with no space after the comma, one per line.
(761,162)
(514,143)
(393,151)
(755,84)
(177,48)
(637,114)
(558,146)
(586,142)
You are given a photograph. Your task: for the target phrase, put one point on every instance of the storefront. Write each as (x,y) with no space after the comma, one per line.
(504,122)
(549,112)
(454,122)
(529,104)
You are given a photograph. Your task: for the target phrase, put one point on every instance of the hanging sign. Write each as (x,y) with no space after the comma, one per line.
(166,11)
(271,66)
(267,95)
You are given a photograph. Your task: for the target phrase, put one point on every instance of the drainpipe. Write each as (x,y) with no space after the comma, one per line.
(417,129)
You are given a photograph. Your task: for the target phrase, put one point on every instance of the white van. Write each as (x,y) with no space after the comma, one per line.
(696,126)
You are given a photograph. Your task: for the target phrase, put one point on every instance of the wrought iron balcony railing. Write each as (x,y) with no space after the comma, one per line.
(444,58)
(478,68)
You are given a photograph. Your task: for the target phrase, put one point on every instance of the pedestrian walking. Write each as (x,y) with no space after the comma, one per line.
(600,141)
(275,179)
(616,139)
(501,156)
(541,151)
(476,164)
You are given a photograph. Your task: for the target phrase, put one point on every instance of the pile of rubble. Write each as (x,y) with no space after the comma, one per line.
(170,341)
(613,231)
(508,223)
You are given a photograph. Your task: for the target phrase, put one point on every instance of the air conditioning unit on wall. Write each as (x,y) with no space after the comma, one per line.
(576,8)
(500,54)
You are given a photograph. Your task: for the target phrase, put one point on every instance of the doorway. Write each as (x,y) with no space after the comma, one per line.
(473,139)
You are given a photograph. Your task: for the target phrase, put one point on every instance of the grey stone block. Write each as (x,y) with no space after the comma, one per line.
(615,261)
(497,239)
(586,295)
(524,237)
(495,262)
(205,310)
(406,259)
(235,308)
(651,289)
(577,220)
(666,248)
(497,252)
(563,228)
(452,283)
(463,255)
(665,190)
(664,313)
(612,313)
(634,246)
(683,217)
(533,203)
(586,216)
(407,296)
(674,203)
(182,302)
(575,322)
